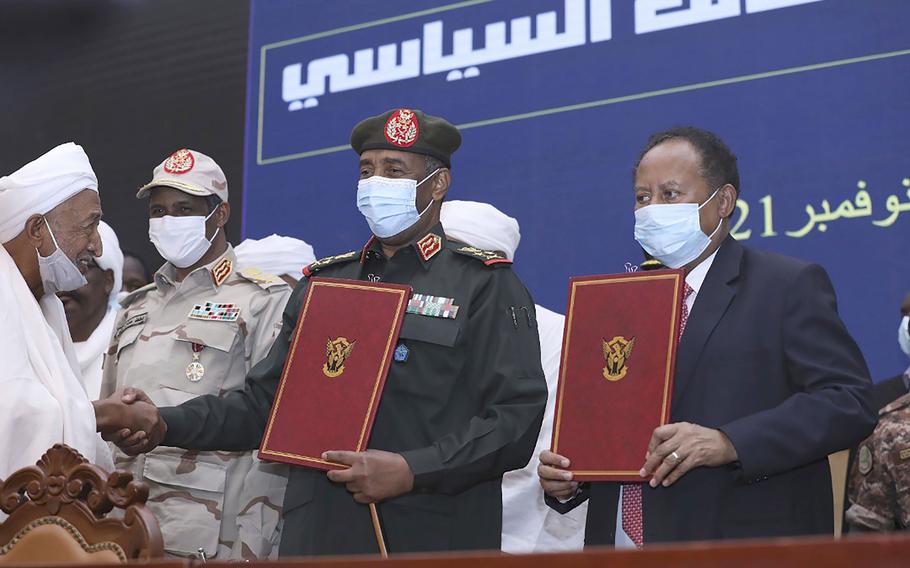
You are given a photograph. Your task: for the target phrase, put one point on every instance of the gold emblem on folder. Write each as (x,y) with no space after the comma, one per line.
(336,353)
(617,353)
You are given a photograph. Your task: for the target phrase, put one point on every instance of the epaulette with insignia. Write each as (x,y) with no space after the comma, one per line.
(329,261)
(263,279)
(488,257)
(135,294)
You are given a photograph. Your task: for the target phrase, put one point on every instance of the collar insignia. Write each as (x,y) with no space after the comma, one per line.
(429,246)
(221,271)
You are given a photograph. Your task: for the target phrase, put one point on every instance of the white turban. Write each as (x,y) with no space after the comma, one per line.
(112,257)
(480,225)
(42,184)
(276,255)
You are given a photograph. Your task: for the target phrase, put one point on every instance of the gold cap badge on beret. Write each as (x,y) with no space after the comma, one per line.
(407,130)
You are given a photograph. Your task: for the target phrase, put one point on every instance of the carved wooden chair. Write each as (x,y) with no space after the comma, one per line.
(58,514)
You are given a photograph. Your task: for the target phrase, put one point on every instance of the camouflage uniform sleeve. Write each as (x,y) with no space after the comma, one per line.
(109,366)
(262,493)
(872,497)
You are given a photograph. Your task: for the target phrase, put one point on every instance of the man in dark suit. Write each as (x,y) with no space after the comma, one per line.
(768,380)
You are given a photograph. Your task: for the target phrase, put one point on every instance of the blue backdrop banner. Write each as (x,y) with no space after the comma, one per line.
(555,99)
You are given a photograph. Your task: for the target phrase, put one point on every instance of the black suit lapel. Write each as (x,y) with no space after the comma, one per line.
(712,301)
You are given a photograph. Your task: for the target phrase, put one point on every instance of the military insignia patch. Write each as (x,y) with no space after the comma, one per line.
(402,128)
(864,460)
(211,311)
(432,306)
(904,454)
(429,246)
(617,353)
(337,352)
(137,319)
(401,353)
(221,271)
(180,162)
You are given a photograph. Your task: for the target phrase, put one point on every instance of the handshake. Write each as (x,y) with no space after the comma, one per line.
(129,419)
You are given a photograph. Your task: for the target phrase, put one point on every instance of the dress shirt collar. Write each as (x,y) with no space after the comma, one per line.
(696,277)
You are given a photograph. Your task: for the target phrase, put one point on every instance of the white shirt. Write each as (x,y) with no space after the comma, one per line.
(528,524)
(695,278)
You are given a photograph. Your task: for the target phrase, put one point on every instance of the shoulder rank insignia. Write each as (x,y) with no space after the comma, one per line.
(221,271)
(328,261)
(488,257)
(211,311)
(864,459)
(433,306)
(429,246)
(904,454)
(263,279)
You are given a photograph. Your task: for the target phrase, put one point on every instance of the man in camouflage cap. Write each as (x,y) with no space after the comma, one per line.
(464,396)
(197,329)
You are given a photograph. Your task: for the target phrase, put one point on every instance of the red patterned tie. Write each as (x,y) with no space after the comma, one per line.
(684,318)
(631,494)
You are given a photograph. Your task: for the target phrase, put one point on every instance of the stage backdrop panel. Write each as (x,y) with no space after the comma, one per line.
(555,99)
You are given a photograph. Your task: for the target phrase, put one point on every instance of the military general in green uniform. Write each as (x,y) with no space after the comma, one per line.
(465,393)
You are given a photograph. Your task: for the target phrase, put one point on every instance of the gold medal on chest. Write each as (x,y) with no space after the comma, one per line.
(195,370)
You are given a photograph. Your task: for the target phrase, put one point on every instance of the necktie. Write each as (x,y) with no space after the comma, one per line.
(632,522)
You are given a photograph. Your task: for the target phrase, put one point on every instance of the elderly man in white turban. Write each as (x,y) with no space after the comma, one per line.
(284,257)
(528,525)
(92,310)
(49,214)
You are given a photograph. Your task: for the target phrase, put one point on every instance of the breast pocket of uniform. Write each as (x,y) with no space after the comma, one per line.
(426,357)
(209,350)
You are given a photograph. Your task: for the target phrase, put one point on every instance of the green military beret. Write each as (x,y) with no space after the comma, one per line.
(407,130)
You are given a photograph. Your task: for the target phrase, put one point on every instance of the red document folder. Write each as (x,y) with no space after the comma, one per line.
(336,368)
(616,371)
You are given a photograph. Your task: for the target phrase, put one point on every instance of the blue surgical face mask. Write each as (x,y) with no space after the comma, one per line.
(58,272)
(672,233)
(390,205)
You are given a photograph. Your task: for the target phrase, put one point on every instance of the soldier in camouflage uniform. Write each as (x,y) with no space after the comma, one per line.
(879,490)
(197,330)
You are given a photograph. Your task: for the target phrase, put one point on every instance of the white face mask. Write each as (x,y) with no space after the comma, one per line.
(903,335)
(181,240)
(390,205)
(672,233)
(58,272)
